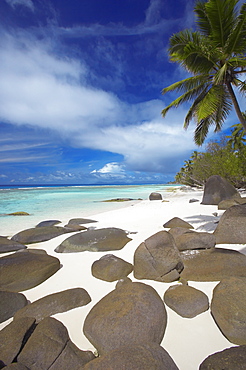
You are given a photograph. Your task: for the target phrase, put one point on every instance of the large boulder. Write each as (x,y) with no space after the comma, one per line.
(16,366)
(233,358)
(100,240)
(155,196)
(10,303)
(44,345)
(55,303)
(39,234)
(217,189)
(228,308)
(194,240)
(25,269)
(80,221)
(48,223)
(186,301)
(12,337)
(212,264)
(231,228)
(142,356)
(177,222)
(133,313)
(158,258)
(111,268)
(7,245)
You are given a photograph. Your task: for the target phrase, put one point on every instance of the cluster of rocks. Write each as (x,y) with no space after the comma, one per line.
(126,326)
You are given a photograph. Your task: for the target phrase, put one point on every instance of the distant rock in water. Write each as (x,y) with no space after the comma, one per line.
(19,213)
(217,189)
(100,240)
(120,200)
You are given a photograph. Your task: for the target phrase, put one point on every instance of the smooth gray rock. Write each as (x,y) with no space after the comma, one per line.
(158,258)
(111,268)
(48,223)
(194,240)
(25,269)
(233,358)
(7,245)
(39,234)
(186,301)
(212,264)
(95,241)
(10,303)
(142,356)
(80,221)
(177,222)
(55,303)
(217,189)
(131,314)
(155,196)
(231,228)
(228,308)
(16,366)
(45,344)
(11,338)
(72,358)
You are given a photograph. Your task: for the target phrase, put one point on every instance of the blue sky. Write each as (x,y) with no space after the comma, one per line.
(80,91)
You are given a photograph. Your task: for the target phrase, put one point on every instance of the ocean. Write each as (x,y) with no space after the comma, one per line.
(62,202)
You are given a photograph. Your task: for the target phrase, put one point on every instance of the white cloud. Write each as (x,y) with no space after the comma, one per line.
(27,3)
(112,168)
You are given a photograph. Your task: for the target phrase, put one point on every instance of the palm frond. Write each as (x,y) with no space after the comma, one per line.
(236,42)
(222,18)
(202,19)
(220,75)
(187,84)
(201,130)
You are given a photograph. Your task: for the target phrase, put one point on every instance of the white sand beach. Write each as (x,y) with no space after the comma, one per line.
(188,341)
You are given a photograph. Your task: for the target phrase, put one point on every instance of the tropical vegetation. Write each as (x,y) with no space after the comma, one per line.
(226,157)
(214,55)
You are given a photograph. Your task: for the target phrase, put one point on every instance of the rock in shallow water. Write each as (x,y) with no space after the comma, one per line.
(131,314)
(95,241)
(25,269)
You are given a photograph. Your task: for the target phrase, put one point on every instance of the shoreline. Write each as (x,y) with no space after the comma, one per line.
(188,341)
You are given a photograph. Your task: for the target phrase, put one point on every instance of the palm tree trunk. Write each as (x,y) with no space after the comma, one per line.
(236,105)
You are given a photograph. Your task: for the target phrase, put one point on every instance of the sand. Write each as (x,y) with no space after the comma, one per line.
(188,341)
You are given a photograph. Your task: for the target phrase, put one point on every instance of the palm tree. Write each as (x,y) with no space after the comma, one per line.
(215,56)
(237,138)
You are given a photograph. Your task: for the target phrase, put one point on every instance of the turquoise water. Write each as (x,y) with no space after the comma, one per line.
(44,203)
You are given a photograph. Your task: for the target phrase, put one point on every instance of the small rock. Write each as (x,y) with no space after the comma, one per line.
(19,213)
(48,223)
(155,196)
(177,222)
(193,200)
(186,301)
(111,268)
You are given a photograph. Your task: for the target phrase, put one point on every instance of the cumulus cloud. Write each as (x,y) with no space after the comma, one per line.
(112,168)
